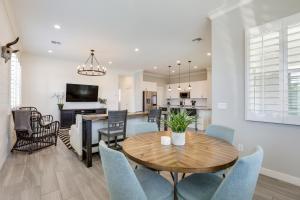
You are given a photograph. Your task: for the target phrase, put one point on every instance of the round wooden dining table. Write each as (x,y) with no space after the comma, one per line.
(200,154)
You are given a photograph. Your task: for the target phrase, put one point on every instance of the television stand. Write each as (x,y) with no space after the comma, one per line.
(68,116)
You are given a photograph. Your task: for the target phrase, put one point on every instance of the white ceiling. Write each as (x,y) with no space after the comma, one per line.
(162,29)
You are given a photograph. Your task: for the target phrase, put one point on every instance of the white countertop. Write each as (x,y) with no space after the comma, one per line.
(190,107)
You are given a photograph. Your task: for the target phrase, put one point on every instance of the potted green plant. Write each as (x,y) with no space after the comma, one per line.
(178,123)
(102,101)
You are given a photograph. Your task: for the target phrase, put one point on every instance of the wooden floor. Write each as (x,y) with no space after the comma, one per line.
(56,173)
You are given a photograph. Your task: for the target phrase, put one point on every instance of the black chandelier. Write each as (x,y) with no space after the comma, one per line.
(91,67)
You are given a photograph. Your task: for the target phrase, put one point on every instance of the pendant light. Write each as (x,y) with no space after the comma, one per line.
(190,87)
(170,89)
(179,88)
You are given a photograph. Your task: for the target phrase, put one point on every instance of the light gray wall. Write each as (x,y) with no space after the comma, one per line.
(6,35)
(281,143)
(44,76)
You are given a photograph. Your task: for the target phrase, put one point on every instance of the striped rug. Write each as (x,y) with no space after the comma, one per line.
(65,138)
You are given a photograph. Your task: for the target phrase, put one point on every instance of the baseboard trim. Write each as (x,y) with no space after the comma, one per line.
(280,176)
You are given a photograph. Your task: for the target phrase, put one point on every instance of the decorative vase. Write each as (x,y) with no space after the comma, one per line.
(178,138)
(60,106)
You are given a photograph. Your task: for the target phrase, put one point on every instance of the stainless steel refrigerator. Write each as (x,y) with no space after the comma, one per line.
(149,100)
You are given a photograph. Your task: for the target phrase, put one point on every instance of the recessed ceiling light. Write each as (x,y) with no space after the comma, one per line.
(109,62)
(208,54)
(50,51)
(173,71)
(56,26)
(178,61)
(195,67)
(155,67)
(136,50)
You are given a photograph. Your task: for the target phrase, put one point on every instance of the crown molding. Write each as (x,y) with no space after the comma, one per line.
(185,74)
(226,9)
(156,75)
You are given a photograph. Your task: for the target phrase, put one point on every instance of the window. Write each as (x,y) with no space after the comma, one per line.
(15,82)
(273,72)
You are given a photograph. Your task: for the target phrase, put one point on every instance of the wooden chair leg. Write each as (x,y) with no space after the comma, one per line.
(55,140)
(116,141)
(99,137)
(108,141)
(172,175)
(183,175)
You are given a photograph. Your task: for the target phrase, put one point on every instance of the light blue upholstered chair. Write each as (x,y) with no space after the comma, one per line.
(124,183)
(239,183)
(221,132)
(144,127)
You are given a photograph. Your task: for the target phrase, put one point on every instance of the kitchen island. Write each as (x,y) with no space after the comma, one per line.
(101,119)
(202,113)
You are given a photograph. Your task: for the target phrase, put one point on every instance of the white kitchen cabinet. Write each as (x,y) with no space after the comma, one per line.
(199,89)
(184,87)
(204,89)
(203,120)
(174,93)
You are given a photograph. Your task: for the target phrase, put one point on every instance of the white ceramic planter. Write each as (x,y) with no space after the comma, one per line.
(178,138)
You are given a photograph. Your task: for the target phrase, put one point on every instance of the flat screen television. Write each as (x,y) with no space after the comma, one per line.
(81,93)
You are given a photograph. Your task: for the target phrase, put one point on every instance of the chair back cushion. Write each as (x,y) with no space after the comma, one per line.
(120,177)
(241,181)
(144,127)
(221,132)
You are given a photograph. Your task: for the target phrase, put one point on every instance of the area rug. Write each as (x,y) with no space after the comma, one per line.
(65,138)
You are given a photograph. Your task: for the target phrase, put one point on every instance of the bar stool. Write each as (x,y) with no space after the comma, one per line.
(193,112)
(155,116)
(117,121)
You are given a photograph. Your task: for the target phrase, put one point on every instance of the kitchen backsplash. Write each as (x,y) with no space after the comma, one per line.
(188,102)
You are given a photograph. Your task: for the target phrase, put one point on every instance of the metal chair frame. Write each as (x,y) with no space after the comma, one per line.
(155,116)
(43,135)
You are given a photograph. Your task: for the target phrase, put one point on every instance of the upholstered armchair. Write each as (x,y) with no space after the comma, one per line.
(42,136)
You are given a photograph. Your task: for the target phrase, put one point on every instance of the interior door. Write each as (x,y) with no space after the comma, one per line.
(126,99)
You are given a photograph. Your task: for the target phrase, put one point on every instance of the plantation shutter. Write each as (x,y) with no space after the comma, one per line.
(292,72)
(15,82)
(264,74)
(273,72)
